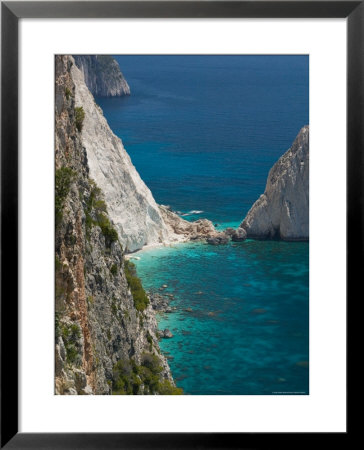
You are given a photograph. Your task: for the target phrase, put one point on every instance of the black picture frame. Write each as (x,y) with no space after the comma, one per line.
(11,12)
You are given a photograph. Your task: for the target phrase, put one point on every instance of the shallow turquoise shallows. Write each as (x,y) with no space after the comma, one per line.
(203,132)
(241,325)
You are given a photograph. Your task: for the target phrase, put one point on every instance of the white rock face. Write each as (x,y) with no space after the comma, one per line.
(130,203)
(131,206)
(283,210)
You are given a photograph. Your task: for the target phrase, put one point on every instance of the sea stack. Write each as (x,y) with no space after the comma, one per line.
(282,212)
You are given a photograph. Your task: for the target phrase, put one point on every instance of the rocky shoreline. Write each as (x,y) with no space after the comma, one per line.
(160,303)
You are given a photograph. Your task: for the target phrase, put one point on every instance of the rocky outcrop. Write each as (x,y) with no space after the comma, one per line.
(137,217)
(105,340)
(225,236)
(239,235)
(282,212)
(220,238)
(102,75)
(199,230)
(166,334)
(179,229)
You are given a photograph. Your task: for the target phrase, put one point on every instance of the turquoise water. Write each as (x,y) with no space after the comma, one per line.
(203,132)
(248,327)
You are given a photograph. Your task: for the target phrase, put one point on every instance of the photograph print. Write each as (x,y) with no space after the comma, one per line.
(181,224)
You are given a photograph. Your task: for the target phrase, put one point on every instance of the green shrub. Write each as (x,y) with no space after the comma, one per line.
(149,338)
(88,222)
(58,264)
(140,298)
(71,334)
(166,388)
(79,117)
(57,325)
(72,239)
(96,214)
(152,362)
(128,377)
(125,379)
(100,206)
(114,308)
(68,93)
(114,269)
(95,192)
(74,332)
(64,178)
(109,232)
(150,380)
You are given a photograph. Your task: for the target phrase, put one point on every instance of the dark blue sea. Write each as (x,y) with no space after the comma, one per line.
(203,132)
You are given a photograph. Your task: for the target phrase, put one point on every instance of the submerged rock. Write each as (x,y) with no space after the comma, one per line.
(303,364)
(259,311)
(166,334)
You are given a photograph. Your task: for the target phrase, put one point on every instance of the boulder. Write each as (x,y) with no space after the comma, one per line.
(218,239)
(229,231)
(167,334)
(239,235)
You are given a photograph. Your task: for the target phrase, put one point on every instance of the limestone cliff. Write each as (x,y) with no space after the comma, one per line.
(106,331)
(138,219)
(282,212)
(102,75)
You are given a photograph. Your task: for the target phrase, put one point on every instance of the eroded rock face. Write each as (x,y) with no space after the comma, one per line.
(97,323)
(130,203)
(282,212)
(102,75)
